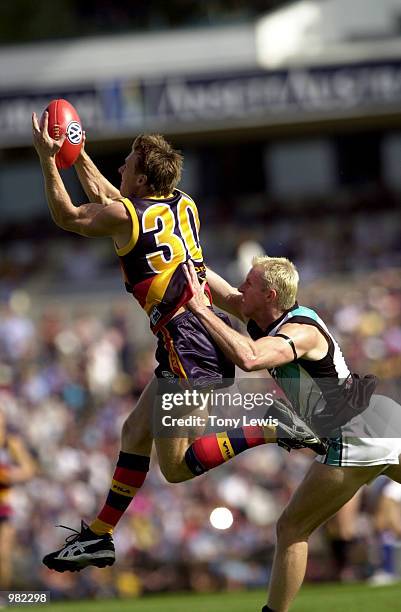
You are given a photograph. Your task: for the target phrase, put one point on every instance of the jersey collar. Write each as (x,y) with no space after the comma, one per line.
(281,318)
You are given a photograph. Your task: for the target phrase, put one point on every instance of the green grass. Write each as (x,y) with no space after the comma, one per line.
(323,598)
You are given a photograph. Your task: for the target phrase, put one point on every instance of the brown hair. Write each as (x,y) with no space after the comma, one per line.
(160,163)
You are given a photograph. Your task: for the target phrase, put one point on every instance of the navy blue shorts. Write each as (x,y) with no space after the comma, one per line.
(186,350)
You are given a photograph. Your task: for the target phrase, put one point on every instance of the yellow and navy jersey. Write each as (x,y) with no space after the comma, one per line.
(165,234)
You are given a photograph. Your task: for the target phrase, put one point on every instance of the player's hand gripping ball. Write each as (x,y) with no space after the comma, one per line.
(64,119)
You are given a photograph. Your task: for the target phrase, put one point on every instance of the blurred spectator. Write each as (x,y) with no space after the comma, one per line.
(342,531)
(16,466)
(386,521)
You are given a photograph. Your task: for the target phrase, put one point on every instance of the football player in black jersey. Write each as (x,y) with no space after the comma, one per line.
(295,345)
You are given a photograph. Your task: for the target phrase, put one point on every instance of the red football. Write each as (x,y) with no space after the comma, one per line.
(64,119)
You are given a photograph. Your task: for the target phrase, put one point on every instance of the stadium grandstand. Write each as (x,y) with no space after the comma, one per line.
(288,116)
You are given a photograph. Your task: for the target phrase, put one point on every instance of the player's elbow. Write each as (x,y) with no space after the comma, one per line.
(60,223)
(260,361)
(247,357)
(248,363)
(246,366)
(65,221)
(70,222)
(251,366)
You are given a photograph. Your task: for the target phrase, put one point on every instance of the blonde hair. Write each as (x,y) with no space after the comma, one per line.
(279,273)
(161,164)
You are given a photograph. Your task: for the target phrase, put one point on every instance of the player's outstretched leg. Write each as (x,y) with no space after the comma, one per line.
(93,544)
(212,450)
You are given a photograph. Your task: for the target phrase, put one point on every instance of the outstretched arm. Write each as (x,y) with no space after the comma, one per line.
(92,219)
(249,355)
(96,186)
(225,296)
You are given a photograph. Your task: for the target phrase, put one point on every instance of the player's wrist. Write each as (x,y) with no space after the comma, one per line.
(48,159)
(82,158)
(201,309)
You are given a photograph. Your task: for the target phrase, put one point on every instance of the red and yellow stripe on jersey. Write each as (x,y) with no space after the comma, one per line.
(176,365)
(165,234)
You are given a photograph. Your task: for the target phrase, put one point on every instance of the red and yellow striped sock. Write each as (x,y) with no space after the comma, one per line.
(212,450)
(128,477)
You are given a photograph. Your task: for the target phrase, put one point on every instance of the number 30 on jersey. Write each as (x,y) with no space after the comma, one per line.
(182,244)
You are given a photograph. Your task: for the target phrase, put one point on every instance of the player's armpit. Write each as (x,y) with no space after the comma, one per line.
(95,219)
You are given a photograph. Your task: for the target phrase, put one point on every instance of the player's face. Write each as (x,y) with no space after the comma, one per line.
(253,291)
(132,182)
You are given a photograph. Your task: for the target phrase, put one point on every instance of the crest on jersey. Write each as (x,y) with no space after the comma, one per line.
(74,132)
(155,315)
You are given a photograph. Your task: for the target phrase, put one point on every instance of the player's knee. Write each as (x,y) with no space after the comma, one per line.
(171,476)
(133,436)
(289,529)
(173,473)
(129,433)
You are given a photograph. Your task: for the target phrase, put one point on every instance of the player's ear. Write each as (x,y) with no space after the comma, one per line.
(142,179)
(271,295)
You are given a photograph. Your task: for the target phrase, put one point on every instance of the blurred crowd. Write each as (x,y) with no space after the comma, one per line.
(348,234)
(68,378)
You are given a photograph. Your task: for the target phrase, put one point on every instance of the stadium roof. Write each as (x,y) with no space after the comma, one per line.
(129,55)
(304,32)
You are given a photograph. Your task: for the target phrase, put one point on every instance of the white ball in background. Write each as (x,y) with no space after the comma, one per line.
(221,518)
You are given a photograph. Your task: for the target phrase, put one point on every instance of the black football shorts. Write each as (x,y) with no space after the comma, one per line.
(186,350)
